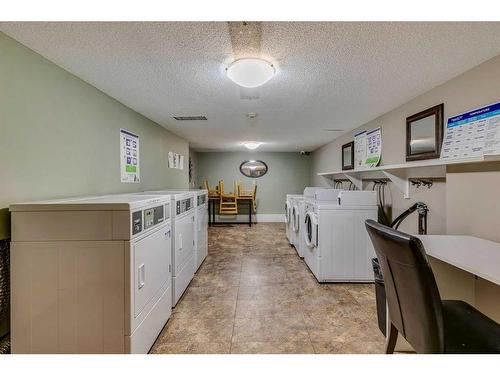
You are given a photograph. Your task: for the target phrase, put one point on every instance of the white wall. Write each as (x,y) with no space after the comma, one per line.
(476,87)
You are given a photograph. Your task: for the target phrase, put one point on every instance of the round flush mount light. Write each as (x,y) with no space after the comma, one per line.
(250,72)
(251,145)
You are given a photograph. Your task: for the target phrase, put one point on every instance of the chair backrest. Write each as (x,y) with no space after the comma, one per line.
(207,187)
(254,191)
(221,187)
(412,295)
(239,189)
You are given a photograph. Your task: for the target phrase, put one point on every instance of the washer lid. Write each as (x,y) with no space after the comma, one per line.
(329,195)
(116,202)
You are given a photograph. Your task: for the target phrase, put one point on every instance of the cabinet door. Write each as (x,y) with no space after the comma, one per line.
(67,297)
(203,233)
(184,242)
(152,259)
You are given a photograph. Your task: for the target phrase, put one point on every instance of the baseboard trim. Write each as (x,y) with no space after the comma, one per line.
(259,218)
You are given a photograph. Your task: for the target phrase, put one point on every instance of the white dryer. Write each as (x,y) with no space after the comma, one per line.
(295,224)
(337,244)
(309,195)
(201,233)
(94,271)
(183,239)
(288,217)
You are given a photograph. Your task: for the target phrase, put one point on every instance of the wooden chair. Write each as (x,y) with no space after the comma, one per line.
(228,201)
(212,193)
(248,194)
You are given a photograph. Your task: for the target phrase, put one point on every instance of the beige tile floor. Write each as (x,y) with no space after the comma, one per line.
(253,294)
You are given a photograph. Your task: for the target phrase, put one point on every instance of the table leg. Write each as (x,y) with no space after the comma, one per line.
(214,208)
(249,212)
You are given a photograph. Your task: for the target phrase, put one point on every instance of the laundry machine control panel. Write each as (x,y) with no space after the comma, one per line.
(202,199)
(136,222)
(183,205)
(153,216)
(149,217)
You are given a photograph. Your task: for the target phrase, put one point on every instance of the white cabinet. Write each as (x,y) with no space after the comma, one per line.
(68,297)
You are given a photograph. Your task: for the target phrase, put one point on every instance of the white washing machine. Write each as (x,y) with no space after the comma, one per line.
(337,245)
(201,233)
(183,239)
(288,216)
(295,222)
(309,195)
(90,275)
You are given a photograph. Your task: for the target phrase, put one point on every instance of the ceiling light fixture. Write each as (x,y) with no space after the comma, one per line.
(250,72)
(251,145)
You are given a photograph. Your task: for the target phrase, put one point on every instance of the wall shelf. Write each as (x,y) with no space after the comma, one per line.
(400,174)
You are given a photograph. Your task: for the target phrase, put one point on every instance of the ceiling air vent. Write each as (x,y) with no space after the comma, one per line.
(190,118)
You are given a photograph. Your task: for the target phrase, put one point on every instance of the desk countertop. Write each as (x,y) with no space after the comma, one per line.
(475,255)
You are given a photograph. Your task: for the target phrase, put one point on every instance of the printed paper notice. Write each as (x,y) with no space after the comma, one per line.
(373,147)
(359,150)
(129,156)
(175,161)
(472,134)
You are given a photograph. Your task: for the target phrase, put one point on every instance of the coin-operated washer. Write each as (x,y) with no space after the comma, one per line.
(90,275)
(337,245)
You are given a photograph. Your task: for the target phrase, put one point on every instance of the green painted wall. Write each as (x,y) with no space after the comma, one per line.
(59,136)
(288,173)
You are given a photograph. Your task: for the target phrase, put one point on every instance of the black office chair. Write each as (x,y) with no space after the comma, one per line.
(416,311)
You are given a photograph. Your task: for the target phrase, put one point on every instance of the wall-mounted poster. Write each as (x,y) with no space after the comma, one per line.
(472,134)
(367,148)
(129,157)
(175,161)
(359,150)
(373,147)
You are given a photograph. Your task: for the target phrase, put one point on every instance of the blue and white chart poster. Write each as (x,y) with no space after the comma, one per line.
(373,147)
(129,156)
(472,134)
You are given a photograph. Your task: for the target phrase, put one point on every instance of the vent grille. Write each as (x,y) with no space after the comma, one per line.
(190,118)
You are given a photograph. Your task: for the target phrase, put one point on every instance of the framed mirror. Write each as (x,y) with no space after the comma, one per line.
(253,168)
(348,156)
(424,134)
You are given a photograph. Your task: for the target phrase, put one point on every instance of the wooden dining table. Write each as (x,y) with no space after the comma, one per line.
(212,211)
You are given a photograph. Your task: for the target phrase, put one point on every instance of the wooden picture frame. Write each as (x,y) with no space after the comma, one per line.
(424,134)
(348,156)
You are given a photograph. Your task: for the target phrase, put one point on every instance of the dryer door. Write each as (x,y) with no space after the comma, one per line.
(152,266)
(295,219)
(311,230)
(184,242)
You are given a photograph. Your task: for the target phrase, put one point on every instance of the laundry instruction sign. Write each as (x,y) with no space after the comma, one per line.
(472,134)
(367,149)
(129,156)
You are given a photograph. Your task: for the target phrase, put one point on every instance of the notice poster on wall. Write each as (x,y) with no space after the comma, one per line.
(129,157)
(359,150)
(373,147)
(175,161)
(472,134)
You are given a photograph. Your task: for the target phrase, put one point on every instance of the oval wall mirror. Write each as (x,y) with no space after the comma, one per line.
(253,168)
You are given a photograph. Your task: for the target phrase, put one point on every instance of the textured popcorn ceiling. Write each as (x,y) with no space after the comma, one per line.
(329,75)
